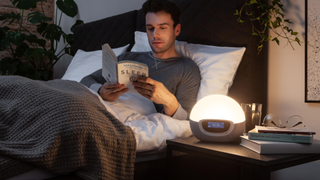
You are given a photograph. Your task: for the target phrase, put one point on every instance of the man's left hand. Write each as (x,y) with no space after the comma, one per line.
(158,93)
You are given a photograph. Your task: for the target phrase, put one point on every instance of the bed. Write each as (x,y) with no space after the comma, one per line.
(224,49)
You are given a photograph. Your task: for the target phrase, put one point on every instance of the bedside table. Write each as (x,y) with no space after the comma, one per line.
(251,164)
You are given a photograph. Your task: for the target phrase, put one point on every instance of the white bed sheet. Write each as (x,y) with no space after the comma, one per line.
(151,129)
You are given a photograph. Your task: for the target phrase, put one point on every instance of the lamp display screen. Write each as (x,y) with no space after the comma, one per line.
(215,125)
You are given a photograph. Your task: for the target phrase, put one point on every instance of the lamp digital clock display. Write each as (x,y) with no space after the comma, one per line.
(216,126)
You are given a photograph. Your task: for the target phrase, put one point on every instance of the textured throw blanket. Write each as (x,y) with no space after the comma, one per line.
(60,126)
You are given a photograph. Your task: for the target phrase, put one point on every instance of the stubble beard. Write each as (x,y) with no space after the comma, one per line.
(163,49)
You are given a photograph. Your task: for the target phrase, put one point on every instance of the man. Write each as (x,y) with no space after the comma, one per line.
(173,80)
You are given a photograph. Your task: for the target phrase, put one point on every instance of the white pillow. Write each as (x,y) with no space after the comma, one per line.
(85,63)
(217,65)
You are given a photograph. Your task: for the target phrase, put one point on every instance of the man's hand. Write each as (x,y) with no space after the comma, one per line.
(112,91)
(158,93)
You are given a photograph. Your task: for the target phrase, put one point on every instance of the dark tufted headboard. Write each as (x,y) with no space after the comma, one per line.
(209,22)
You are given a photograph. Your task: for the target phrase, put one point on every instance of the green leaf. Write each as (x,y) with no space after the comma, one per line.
(294,33)
(297,40)
(279,19)
(68,7)
(276,40)
(2,34)
(4,44)
(254,34)
(35,53)
(15,18)
(78,22)
(237,12)
(25,4)
(8,65)
(50,31)
(38,17)
(253,2)
(21,49)
(240,20)
(69,38)
(287,20)
(275,24)
(15,37)
(26,70)
(34,39)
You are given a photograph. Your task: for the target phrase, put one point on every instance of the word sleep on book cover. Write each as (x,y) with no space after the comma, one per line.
(123,72)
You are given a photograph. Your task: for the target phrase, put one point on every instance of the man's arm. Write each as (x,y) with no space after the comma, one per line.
(158,93)
(94,81)
(187,90)
(107,91)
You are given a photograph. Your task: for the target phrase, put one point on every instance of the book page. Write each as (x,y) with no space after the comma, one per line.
(128,71)
(109,64)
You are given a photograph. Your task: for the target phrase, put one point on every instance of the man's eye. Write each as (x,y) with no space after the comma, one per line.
(150,29)
(163,28)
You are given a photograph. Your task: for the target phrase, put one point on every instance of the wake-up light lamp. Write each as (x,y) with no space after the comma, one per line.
(217,118)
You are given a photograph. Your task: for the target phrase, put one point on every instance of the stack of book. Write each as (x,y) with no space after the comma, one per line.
(267,140)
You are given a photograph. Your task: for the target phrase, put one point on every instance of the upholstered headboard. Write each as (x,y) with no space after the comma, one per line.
(209,22)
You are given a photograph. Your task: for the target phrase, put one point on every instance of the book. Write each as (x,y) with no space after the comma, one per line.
(274,147)
(295,138)
(265,129)
(123,72)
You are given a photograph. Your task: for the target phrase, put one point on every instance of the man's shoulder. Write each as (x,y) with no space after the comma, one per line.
(189,62)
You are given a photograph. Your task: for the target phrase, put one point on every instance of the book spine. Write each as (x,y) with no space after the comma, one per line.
(269,147)
(280,137)
(289,148)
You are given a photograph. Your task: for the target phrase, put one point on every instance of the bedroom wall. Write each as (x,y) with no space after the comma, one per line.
(98,9)
(286,88)
(286,72)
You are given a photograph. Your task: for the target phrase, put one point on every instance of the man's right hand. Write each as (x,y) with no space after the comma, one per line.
(112,91)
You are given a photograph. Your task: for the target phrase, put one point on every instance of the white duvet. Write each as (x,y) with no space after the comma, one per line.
(151,129)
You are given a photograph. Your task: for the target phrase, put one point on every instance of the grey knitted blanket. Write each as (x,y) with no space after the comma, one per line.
(60,126)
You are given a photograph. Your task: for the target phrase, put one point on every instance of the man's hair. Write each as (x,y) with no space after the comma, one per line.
(163,5)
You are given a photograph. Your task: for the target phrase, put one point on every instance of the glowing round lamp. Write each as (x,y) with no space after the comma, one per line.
(217,118)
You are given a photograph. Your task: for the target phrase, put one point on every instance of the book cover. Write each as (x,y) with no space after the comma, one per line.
(295,138)
(304,130)
(123,72)
(274,147)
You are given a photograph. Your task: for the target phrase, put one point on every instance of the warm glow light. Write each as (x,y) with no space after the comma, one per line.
(217,106)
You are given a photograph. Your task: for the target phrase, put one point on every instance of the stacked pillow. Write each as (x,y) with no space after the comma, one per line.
(217,65)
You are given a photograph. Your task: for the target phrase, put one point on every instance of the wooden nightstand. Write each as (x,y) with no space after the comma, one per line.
(250,165)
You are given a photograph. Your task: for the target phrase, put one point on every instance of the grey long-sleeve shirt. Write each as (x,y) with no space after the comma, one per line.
(180,75)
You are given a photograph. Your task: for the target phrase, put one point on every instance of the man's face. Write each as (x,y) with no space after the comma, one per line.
(160,31)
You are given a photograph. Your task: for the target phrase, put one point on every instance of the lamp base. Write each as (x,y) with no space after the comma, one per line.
(234,132)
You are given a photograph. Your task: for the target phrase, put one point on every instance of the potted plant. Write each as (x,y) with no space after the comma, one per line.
(34,56)
(267,14)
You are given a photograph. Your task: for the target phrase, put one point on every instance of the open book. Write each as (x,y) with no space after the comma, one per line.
(123,72)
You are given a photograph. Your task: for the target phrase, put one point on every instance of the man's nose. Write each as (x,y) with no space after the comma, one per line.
(156,33)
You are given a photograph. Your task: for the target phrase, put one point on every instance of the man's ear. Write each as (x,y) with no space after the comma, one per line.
(177,29)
